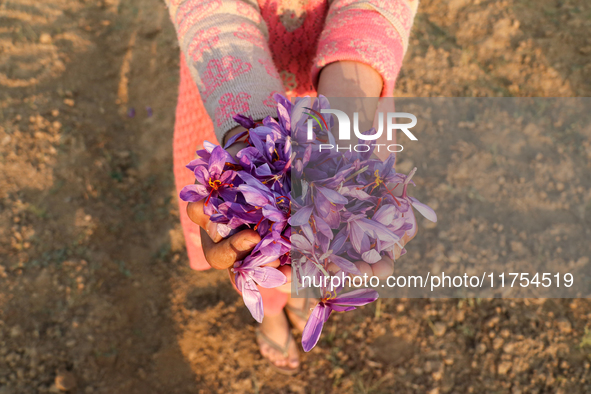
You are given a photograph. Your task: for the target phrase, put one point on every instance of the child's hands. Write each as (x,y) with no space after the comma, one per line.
(222,253)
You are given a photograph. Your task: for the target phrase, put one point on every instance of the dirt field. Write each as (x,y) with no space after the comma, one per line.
(94,280)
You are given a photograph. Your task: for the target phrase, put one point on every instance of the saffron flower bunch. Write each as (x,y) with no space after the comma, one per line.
(332,207)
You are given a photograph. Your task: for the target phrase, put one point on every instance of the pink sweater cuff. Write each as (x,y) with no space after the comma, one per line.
(367,36)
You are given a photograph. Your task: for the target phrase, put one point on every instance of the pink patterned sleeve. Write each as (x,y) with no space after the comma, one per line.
(225,46)
(373,32)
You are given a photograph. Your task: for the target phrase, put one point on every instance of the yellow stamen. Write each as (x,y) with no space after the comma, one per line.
(378,179)
(215,184)
(329,296)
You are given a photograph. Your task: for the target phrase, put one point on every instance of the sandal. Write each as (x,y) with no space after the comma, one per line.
(301,313)
(283,349)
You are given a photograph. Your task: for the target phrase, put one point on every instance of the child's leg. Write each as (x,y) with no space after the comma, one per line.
(274,337)
(274,333)
(273,300)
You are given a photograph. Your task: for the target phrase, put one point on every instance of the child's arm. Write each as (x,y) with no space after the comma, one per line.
(370,32)
(359,55)
(225,46)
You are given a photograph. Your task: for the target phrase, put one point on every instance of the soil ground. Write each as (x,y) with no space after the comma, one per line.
(94,279)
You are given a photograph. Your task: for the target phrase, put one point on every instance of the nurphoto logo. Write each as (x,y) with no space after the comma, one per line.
(345,129)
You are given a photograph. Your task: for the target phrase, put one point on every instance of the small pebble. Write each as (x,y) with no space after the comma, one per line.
(439,329)
(45,38)
(65,381)
(481,348)
(564,326)
(560,186)
(16,332)
(504,367)
(498,343)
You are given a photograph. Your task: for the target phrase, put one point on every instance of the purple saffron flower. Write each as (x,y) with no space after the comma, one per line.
(423,209)
(309,262)
(275,244)
(251,272)
(276,207)
(237,137)
(362,230)
(213,182)
(203,156)
(244,121)
(339,303)
(233,216)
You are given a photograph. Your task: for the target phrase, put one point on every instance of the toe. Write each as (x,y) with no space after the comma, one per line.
(280,362)
(294,362)
(264,349)
(294,355)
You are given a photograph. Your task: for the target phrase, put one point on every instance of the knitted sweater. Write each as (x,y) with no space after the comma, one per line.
(241,52)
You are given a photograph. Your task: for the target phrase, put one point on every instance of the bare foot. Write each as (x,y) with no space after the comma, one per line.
(276,335)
